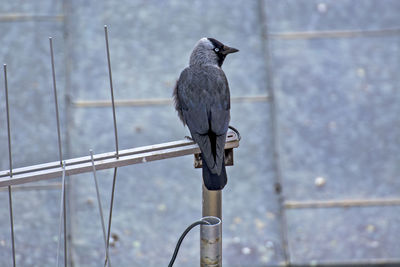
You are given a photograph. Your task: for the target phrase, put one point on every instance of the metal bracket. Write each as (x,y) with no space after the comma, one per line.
(231,136)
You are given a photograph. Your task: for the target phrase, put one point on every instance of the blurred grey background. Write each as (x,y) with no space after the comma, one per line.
(316,85)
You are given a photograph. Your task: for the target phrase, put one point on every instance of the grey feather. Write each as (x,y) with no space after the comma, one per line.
(204,102)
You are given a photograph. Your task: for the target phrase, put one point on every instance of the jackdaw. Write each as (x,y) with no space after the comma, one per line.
(203,104)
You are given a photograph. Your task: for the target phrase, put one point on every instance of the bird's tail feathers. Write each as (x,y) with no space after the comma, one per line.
(205,145)
(214,164)
(213,181)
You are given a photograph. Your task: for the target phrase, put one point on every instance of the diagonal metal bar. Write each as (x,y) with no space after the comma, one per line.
(137,155)
(55,99)
(11,169)
(62,208)
(107,260)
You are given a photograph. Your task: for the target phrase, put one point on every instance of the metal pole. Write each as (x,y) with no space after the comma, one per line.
(211,236)
(212,203)
(211,242)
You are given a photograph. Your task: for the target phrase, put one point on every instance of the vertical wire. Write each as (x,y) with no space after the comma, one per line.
(66,10)
(65,224)
(111,208)
(107,260)
(62,205)
(112,90)
(115,133)
(59,147)
(10,161)
(55,98)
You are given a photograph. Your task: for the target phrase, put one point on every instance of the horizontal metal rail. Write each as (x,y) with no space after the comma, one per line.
(34,187)
(341,203)
(29,17)
(106,161)
(393,262)
(155,101)
(335,34)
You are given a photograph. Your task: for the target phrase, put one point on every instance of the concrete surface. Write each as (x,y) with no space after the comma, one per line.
(334,119)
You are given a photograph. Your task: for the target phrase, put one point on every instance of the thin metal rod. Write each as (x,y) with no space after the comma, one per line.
(112,90)
(62,207)
(59,145)
(11,223)
(107,260)
(10,161)
(116,137)
(111,208)
(8,119)
(55,98)
(65,222)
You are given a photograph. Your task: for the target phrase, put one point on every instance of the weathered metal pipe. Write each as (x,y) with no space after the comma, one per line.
(211,242)
(212,203)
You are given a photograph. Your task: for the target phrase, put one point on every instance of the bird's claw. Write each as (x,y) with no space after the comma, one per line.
(189,138)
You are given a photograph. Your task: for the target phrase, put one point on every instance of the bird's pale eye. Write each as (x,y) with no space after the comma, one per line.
(216,49)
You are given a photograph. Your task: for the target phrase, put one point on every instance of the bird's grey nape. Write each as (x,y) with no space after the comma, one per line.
(203,53)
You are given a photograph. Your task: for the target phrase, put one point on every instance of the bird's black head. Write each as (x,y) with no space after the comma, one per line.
(221,50)
(209,51)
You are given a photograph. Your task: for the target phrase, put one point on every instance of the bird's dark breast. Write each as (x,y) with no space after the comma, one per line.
(221,59)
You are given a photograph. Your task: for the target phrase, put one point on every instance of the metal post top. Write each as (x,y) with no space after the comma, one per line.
(212,220)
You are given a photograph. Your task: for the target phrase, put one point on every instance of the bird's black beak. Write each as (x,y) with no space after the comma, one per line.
(228,50)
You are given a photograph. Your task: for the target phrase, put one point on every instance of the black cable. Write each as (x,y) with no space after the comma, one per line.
(190,227)
(236,131)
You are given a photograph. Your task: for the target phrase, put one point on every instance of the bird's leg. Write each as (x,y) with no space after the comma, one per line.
(236,131)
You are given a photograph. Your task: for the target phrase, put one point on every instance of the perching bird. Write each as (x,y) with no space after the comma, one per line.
(203,103)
